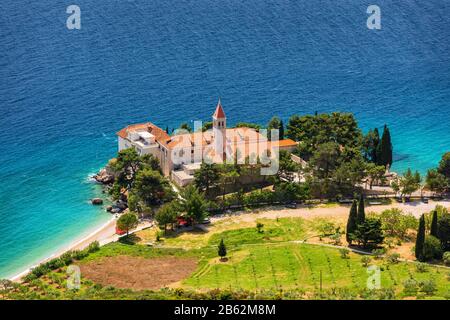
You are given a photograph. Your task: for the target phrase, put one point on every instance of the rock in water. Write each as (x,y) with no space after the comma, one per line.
(97,201)
(104,177)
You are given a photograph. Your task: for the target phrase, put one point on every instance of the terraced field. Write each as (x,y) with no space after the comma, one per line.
(288,266)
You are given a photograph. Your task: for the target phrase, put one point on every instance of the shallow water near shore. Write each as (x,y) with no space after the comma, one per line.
(64,94)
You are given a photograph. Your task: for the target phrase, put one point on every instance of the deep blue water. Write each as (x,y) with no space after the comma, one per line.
(64,93)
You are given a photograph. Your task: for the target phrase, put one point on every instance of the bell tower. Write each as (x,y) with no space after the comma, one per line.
(220,130)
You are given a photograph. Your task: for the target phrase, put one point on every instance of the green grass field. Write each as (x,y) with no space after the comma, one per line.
(272,261)
(295,266)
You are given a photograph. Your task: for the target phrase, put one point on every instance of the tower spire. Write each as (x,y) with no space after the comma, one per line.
(219,113)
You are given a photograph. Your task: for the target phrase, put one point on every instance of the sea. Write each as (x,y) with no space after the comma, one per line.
(64,93)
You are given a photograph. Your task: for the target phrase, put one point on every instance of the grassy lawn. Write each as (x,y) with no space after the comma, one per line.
(237,232)
(257,261)
(290,266)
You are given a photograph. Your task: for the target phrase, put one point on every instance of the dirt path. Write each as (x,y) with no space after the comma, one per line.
(335,211)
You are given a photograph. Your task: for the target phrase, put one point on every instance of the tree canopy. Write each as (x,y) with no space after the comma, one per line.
(127,221)
(277,124)
(313,130)
(152,188)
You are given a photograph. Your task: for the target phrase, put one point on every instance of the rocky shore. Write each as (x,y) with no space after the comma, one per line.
(106,178)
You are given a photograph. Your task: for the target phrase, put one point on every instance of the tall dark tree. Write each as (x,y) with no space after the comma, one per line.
(281,130)
(385,149)
(420,240)
(361,210)
(444,231)
(222,250)
(351,222)
(376,142)
(434,225)
(276,124)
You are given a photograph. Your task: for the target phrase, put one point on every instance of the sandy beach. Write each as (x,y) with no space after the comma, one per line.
(104,235)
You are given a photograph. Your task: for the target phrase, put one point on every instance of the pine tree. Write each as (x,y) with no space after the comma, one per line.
(361,210)
(385,149)
(434,225)
(167,129)
(351,222)
(420,240)
(222,250)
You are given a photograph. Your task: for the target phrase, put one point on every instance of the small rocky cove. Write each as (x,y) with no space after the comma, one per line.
(106,178)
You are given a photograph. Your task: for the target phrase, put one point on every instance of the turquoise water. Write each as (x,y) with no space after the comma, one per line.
(64,94)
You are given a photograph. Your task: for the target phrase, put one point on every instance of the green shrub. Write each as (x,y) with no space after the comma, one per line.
(93,247)
(393,258)
(365,260)
(421,267)
(259,227)
(67,257)
(432,248)
(410,287)
(344,253)
(378,253)
(446,257)
(428,287)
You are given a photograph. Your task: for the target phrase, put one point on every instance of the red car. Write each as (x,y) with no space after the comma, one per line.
(120,232)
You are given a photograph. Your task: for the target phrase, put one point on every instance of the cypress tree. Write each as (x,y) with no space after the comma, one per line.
(420,240)
(281,130)
(385,148)
(361,211)
(376,142)
(434,225)
(167,129)
(351,222)
(222,250)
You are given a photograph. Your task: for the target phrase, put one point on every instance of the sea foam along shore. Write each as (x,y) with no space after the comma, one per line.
(105,234)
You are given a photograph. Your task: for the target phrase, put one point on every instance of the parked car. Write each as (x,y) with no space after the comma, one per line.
(120,232)
(291,205)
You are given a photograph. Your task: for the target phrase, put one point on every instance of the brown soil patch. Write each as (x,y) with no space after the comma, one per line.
(137,273)
(405,250)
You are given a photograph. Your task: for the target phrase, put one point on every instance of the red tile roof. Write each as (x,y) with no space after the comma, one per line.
(160,135)
(219,113)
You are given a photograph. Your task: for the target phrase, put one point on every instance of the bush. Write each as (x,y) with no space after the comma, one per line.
(67,257)
(432,248)
(365,260)
(378,253)
(93,247)
(259,227)
(410,287)
(421,267)
(446,257)
(428,287)
(393,258)
(344,253)
(259,196)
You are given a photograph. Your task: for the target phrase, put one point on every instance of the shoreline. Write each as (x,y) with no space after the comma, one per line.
(103,234)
